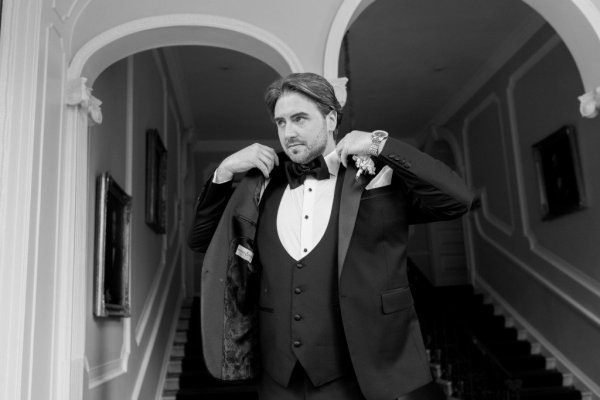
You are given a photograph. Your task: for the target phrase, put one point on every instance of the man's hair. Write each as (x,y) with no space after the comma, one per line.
(312,86)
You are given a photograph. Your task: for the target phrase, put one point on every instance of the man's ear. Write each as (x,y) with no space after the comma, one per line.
(331,119)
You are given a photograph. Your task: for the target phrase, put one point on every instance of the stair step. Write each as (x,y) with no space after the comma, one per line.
(183,324)
(171,384)
(527,362)
(246,392)
(191,364)
(200,379)
(181,337)
(496,334)
(175,367)
(552,393)
(185,313)
(509,348)
(178,350)
(539,378)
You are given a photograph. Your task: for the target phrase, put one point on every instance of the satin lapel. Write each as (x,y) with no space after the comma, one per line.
(349,203)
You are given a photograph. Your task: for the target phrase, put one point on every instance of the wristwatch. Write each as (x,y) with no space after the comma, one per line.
(376,138)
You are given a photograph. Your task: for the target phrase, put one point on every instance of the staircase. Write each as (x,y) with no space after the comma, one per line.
(474,354)
(187,377)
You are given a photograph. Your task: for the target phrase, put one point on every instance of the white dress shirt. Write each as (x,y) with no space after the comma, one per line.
(304,212)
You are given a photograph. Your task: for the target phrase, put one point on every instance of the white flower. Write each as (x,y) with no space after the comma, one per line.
(364,164)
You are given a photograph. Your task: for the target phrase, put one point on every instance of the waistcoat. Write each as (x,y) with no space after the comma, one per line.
(299,318)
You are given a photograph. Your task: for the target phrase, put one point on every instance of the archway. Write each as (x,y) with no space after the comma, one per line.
(448,241)
(88,62)
(181,29)
(583,42)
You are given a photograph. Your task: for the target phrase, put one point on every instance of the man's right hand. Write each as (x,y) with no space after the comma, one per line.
(254,156)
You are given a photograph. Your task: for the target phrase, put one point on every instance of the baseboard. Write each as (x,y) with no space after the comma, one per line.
(590,390)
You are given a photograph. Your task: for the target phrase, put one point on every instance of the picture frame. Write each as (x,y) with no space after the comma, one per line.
(156,182)
(558,172)
(112,249)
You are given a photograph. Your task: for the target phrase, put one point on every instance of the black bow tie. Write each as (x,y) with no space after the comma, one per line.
(297,173)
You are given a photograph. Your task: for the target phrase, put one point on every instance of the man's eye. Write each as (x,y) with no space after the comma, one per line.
(280,123)
(299,119)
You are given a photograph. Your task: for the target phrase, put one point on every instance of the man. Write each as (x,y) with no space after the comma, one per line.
(335,313)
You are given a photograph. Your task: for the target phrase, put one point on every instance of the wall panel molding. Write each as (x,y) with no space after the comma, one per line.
(544,253)
(64,8)
(103,373)
(511,45)
(492,100)
(566,297)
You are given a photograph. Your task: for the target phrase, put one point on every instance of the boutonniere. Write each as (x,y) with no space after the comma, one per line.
(364,164)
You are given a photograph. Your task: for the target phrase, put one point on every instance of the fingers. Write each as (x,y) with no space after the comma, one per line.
(355,142)
(264,158)
(342,151)
(265,163)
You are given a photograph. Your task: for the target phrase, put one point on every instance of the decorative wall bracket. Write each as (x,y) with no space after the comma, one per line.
(79,95)
(590,103)
(339,87)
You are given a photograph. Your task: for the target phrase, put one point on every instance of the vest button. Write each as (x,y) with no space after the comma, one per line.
(297,317)
(297,290)
(297,343)
(299,265)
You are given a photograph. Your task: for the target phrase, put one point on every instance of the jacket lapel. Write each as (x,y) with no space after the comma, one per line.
(349,203)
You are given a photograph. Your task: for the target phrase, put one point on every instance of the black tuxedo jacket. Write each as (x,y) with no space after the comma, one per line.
(379,319)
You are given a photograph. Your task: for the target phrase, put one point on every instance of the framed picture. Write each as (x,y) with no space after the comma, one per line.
(111,255)
(558,171)
(156,182)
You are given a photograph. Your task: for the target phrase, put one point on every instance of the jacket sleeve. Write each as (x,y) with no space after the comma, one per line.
(207,212)
(434,191)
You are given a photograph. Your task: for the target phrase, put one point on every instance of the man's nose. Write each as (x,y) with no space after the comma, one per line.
(290,131)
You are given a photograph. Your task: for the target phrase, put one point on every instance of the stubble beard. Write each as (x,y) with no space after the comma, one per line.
(309,151)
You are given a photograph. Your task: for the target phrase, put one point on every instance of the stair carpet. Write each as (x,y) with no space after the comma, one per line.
(187,376)
(474,355)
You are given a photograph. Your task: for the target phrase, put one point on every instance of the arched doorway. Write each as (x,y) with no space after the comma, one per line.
(584,42)
(449,257)
(87,65)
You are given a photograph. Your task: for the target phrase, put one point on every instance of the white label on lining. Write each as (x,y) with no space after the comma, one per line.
(244,253)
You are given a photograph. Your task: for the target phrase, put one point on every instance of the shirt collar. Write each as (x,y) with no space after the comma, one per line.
(333,163)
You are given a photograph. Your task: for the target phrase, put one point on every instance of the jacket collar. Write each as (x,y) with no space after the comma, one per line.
(350,201)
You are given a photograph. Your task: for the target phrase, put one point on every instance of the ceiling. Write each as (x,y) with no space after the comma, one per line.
(409,62)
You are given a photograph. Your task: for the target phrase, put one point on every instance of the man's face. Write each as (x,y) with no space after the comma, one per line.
(303,131)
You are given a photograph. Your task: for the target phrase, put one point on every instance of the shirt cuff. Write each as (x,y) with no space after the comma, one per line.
(217,181)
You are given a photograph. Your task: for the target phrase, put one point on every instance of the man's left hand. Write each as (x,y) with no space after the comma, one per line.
(355,142)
